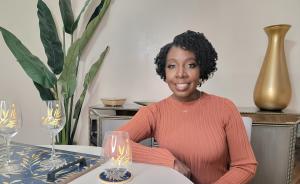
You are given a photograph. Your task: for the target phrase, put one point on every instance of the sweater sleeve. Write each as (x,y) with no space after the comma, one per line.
(242,160)
(140,127)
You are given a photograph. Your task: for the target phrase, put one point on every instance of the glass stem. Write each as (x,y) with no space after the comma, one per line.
(7,140)
(52,143)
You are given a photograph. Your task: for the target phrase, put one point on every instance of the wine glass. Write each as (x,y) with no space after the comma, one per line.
(53,120)
(10,124)
(118,155)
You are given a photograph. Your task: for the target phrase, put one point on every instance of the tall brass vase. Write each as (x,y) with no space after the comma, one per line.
(273,88)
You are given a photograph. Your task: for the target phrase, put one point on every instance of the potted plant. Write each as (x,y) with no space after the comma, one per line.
(59,78)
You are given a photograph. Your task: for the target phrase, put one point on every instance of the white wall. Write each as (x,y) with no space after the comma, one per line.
(135,30)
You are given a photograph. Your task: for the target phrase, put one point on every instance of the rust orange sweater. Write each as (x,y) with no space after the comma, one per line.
(206,134)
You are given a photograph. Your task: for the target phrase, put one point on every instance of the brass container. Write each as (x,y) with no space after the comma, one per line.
(273,88)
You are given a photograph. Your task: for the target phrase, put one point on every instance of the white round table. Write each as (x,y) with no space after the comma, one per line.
(142,173)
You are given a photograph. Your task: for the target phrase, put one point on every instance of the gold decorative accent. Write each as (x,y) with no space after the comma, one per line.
(273,89)
(8,118)
(53,118)
(123,155)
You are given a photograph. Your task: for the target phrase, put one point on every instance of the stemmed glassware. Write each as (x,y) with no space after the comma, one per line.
(10,124)
(118,155)
(53,120)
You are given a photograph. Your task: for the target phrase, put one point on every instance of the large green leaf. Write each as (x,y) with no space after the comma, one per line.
(74,26)
(50,39)
(96,12)
(66,12)
(31,64)
(89,77)
(67,78)
(45,93)
(88,33)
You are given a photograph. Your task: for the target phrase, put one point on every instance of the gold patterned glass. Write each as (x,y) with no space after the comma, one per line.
(10,124)
(118,154)
(53,119)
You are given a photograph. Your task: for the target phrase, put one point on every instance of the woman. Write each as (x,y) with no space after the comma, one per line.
(199,134)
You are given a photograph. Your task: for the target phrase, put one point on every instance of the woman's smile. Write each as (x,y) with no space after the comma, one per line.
(182,87)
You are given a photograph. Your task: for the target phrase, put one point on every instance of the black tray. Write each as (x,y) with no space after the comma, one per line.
(29,156)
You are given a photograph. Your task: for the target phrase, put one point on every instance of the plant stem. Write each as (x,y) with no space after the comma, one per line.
(74,129)
(56,92)
(64,41)
(65,136)
(70,119)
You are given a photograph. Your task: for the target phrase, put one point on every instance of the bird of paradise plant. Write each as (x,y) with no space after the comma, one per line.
(61,80)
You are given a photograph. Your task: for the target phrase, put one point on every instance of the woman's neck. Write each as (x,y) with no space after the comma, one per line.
(195,96)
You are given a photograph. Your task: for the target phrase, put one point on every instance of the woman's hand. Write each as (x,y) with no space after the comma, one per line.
(182,168)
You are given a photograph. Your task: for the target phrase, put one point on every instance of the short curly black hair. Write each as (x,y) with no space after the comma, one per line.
(195,42)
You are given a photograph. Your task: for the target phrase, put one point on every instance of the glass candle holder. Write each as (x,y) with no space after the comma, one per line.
(118,155)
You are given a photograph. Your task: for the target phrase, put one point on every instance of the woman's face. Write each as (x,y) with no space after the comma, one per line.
(182,74)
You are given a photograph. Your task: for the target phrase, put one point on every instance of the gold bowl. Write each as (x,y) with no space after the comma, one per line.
(113,101)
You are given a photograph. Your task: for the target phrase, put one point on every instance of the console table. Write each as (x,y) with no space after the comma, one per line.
(105,118)
(274,141)
(273,138)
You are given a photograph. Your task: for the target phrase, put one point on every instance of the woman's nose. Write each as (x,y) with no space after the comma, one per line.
(180,72)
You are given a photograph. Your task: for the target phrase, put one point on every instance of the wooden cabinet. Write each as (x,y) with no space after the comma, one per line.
(273,138)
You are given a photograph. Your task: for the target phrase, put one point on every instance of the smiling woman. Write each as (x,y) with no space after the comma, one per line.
(200,135)
(182,74)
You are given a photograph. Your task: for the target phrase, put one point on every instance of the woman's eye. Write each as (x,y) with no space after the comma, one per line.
(170,66)
(192,65)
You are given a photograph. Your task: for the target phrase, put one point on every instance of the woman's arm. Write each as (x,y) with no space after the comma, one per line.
(140,127)
(242,160)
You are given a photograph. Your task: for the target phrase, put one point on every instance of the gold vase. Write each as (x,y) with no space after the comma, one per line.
(273,88)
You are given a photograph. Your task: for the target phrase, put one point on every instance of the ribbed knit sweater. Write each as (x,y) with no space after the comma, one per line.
(207,135)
